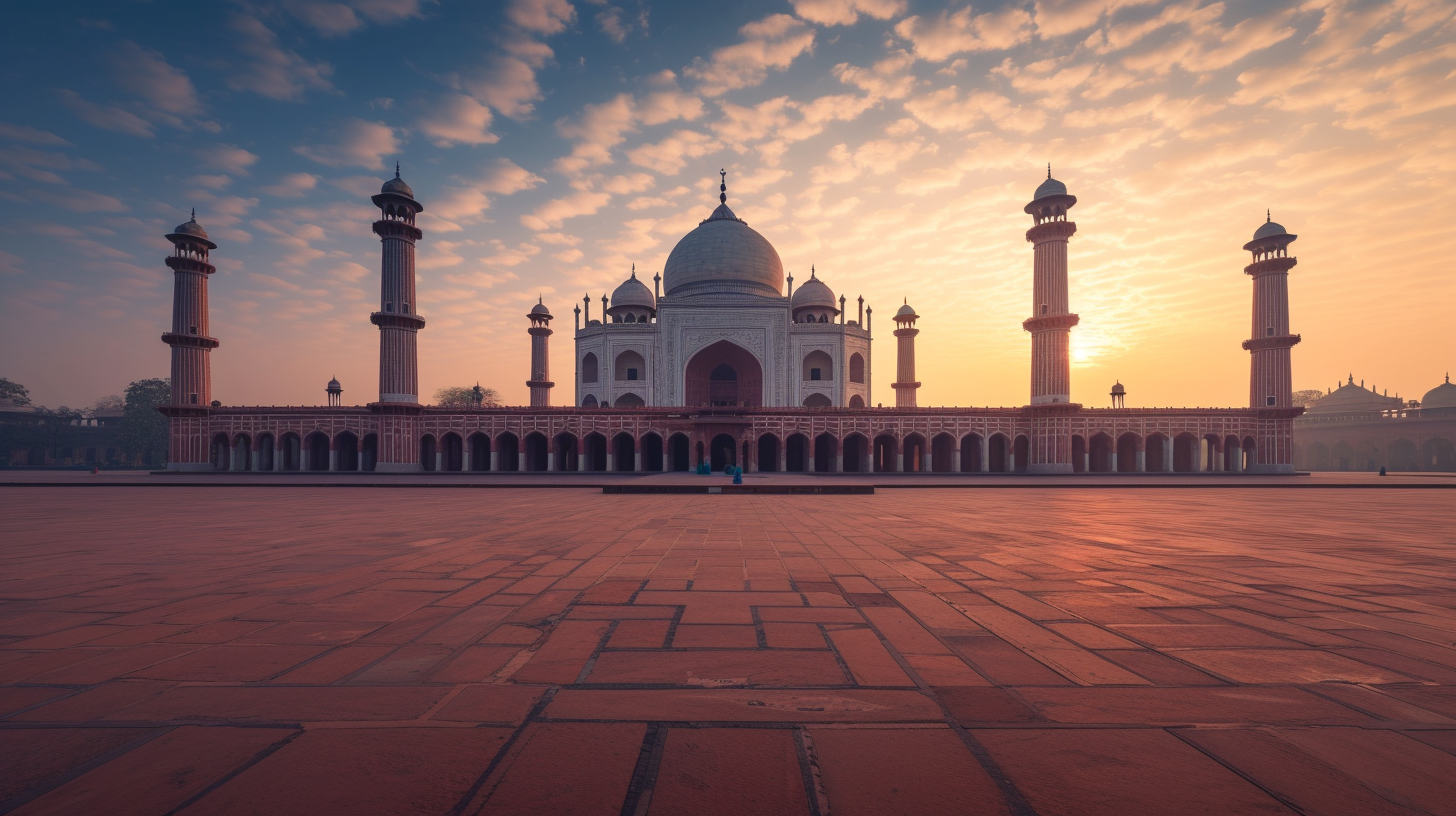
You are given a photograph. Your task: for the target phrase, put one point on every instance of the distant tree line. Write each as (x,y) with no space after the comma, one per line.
(140,433)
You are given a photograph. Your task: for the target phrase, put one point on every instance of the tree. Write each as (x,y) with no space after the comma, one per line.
(463,397)
(107,404)
(143,428)
(14,391)
(1307,398)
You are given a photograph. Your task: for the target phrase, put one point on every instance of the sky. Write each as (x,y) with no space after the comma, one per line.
(891,144)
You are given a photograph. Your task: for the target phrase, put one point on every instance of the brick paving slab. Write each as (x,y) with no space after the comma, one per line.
(927,651)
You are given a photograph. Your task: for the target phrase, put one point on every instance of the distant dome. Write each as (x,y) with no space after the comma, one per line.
(906,310)
(814,293)
(633,292)
(1442,396)
(397,185)
(540,309)
(1050,187)
(191,228)
(334,385)
(1269,228)
(1117,388)
(722,255)
(1352,399)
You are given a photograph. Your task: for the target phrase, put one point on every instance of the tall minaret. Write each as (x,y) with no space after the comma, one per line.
(397,321)
(1270,378)
(540,332)
(905,332)
(1051,321)
(187,446)
(1269,341)
(190,342)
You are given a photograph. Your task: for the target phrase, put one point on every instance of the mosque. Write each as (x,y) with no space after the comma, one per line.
(724,361)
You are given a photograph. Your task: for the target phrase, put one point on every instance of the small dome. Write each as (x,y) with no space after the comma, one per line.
(397,185)
(1350,398)
(1269,228)
(1442,396)
(1050,187)
(540,309)
(906,311)
(814,293)
(192,228)
(633,292)
(334,385)
(1117,388)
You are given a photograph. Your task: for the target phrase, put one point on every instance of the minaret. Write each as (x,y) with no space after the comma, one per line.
(1051,322)
(1270,378)
(540,332)
(905,332)
(397,321)
(335,392)
(187,447)
(190,342)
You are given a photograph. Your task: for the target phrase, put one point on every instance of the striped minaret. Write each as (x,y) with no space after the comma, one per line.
(397,321)
(1051,321)
(1270,377)
(540,331)
(192,347)
(905,383)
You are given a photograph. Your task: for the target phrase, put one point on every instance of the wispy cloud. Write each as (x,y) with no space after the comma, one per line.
(354,143)
(267,68)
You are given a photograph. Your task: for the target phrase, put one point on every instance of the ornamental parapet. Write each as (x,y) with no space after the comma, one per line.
(397,320)
(1280,413)
(1271,266)
(190,340)
(386,228)
(1051,231)
(1045,323)
(1273,342)
(178,263)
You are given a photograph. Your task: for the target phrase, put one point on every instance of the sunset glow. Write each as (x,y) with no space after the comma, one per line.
(890,144)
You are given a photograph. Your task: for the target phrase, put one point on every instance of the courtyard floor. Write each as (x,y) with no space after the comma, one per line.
(1075,651)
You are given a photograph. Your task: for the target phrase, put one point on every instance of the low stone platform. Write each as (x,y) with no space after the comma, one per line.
(1021,651)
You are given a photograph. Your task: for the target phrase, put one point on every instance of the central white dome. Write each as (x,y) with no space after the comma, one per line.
(723,255)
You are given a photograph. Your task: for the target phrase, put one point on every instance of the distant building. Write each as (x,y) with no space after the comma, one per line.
(32,437)
(1355,428)
(724,362)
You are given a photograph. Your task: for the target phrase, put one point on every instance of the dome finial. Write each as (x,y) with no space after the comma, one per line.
(396,169)
(1049,169)
(1268,216)
(634,271)
(723,187)
(194,215)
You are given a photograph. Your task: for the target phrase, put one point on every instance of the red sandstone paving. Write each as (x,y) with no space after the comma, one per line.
(1122,652)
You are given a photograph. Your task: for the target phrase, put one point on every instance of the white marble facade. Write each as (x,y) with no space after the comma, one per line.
(726,329)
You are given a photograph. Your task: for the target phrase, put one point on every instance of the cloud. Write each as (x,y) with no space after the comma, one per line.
(771,43)
(670,155)
(952,33)
(149,76)
(507,80)
(554,212)
(228,158)
(292,185)
(946,110)
(355,143)
(105,116)
(458,119)
(467,202)
(81,201)
(604,125)
(846,12)
(1055,18)
(37,165)
(611,23)
(889,78)
(333,19)
(541,16)
(26,133)
(270,70)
